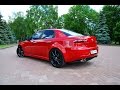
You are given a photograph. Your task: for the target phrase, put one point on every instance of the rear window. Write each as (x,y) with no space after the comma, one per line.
(70,33)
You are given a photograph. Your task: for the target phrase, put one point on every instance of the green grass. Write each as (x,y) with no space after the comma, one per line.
(6,46)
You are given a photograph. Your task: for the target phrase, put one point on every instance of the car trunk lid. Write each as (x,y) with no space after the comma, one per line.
(88,41)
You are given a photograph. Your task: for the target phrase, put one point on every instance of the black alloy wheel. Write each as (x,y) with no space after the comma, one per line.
(56,58)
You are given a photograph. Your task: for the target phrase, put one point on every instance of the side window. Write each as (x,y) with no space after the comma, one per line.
(37,35)
(67,34)
(48,34)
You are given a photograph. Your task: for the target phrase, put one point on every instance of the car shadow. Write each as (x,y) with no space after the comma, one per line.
(72,65)
(75,65)
(37,59)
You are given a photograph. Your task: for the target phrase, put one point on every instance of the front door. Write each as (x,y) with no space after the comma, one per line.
(42,45)
(34,42)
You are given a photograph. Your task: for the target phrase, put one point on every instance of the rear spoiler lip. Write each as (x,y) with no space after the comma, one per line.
(78,41)
(82,39)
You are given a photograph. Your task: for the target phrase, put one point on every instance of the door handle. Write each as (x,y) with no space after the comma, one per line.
(33,41)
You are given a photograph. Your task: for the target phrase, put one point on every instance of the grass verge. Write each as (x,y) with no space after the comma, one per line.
(6,46)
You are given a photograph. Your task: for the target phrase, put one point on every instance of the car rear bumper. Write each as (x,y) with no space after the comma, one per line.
(79,53)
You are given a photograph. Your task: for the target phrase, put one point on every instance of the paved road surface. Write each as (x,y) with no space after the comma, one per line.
(103,70)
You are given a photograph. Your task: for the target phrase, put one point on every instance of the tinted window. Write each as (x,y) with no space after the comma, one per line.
(70,33)
(67,34)
(37,35)
(48,34)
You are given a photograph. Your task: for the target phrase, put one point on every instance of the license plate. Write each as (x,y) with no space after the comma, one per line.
(93,51)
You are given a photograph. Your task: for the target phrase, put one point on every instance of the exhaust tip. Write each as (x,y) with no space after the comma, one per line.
(83,60)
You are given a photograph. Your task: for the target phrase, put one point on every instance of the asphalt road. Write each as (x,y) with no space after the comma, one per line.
(103,70)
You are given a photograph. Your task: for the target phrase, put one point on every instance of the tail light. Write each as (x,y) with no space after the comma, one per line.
(80,41)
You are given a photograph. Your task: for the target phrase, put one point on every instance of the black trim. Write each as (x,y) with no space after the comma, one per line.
(60,2)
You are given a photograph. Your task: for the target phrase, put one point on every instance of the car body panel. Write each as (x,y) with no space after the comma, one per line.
(73,47)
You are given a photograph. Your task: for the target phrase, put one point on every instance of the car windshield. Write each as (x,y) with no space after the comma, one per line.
(70,33)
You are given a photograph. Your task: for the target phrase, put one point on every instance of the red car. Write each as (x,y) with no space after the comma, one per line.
(59,46)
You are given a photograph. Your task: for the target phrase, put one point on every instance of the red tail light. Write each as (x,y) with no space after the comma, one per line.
(80,41)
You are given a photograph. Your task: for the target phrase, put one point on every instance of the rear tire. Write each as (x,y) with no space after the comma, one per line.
(56,58)
(20,52)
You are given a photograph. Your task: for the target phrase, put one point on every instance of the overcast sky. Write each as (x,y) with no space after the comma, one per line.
(7,10)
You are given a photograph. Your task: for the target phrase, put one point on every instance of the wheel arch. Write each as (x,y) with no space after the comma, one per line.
(59,51)
(63,58)
(19,46)
(60,47)
(55,48)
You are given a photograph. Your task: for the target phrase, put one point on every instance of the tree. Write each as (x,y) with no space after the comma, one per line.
(11,35)
(81,19)
(6,35)
(117,32)
(37,17)
(1,31)
(112,13)
(18,25)
(43,16)
(60,22)
(102,32)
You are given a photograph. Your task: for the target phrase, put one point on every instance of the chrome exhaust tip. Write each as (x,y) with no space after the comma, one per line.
(83,60)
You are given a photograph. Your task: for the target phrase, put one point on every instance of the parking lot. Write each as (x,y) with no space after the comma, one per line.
(103,70)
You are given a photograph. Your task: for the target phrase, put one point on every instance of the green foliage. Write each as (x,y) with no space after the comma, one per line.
(6,35)
(81,19)
(112,13)
(38,17)
(117,32)
(44,16)
(6,46)
(102,31)
(60,22)
(18,25)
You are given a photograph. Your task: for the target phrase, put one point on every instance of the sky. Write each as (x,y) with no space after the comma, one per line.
(7,10)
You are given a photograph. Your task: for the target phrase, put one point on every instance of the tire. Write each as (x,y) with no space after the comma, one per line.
(20,52)
(56,58)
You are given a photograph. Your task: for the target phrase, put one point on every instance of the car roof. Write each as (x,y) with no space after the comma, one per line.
(64,30)
(49,29)
(52,29)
